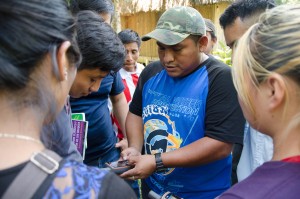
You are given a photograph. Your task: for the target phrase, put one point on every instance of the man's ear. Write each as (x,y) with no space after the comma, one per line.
(276,90)
(203,41)
(62,60)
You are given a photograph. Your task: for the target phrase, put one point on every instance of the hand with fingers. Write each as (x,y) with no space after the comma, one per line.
(144,166)
(122,144)
(131,151)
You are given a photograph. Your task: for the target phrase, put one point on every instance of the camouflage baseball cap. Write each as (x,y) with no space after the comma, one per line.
(176,24)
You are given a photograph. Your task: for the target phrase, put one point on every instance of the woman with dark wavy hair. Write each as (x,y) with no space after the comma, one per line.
(38,63)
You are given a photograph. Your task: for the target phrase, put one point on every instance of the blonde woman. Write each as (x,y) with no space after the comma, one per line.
(266,73)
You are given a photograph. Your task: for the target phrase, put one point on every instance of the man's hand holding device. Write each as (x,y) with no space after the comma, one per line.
(119,167)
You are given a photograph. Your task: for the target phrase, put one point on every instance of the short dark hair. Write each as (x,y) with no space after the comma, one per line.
(210,27)
(99,6)
(212,34)
(128,36)
(98,42)
(244,9)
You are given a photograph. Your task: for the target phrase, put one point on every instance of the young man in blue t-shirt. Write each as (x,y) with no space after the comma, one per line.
(184,112)
(103,54)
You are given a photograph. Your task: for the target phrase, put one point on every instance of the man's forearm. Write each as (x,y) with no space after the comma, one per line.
(120,110)
(200,152)
(134,129)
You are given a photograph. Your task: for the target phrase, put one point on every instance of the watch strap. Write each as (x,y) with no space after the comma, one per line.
(159,164)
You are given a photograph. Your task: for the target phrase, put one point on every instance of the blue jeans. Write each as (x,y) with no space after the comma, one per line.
(112,156)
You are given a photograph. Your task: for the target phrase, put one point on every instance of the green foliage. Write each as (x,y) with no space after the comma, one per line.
(278,2)
(68,2)
(223,53)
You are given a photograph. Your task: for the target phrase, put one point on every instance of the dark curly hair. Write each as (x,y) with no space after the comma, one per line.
(99,44)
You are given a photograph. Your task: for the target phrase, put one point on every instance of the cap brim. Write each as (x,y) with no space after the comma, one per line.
(166,37)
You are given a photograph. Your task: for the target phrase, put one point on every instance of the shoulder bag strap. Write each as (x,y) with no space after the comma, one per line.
(40,166)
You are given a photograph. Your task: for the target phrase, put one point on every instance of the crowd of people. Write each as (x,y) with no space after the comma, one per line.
(186,125)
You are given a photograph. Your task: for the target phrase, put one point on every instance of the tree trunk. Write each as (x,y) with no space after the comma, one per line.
(116,23)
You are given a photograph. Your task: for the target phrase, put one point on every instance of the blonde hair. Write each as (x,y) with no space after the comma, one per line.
(270,46)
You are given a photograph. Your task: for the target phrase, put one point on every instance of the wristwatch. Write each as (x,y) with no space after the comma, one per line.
(159,164)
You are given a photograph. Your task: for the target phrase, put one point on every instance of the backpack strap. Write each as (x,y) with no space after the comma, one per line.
(27,182)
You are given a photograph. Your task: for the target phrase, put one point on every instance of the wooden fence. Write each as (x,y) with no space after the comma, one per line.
(145,22)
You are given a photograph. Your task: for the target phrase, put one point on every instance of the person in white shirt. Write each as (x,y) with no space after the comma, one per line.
(131,69)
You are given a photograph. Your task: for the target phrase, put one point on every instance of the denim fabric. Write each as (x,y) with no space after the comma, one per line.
(258,148)
(111,156)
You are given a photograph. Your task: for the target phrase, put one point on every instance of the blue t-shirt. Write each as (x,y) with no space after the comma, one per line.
(179,111)
(101,137)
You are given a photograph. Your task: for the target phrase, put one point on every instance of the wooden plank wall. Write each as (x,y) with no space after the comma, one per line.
(145,22)
(213,12)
